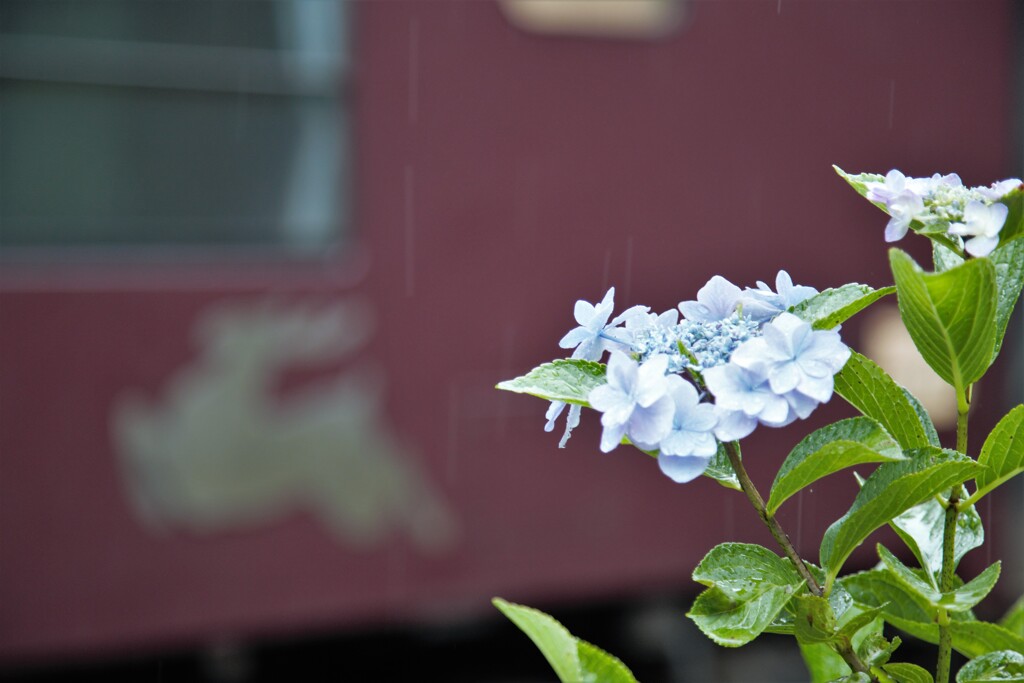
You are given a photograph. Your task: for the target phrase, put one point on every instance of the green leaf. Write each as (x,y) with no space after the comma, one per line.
(742,569)
(976,638)
(1001,666)
(1003,453)
(748,587)
(909,579)
(574,660)
(600,667)
(959,600)
(858,677)
(815,622)
(1014,225)
(1008,261)
(553,640)
(911,614)
(876,650)
(924,419)
(879,588)
(834,306)
(863,616)
(875,394)
(901,672)
(970,638)
(838,446)
(859,182)
(720,469)
(944,258)
(974,591)
(921,528)
(1013,620)
(569,381)
(825,664)
(892,489)
(731,623)
(950,316)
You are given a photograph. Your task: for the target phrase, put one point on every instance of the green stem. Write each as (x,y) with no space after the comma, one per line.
(949,543)
(732,449)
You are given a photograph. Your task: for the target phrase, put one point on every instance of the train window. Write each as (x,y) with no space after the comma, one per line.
(173,123)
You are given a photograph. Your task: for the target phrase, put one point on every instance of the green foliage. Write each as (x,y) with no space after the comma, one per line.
(569,381)
(748,586)
(921,528)
(720,469)
(902,672)
(944,258)
(1004,665)
(859,182)
(574,660)
(834,306)
(959,600)
(957,317)
(1013,620)
(875,394)
(1008,261)
(926,422)
(911,613)
(1014,225)
(891,490)
(876,650)
(838,446)
(1003,453)
(976,638)
(814,622)
(949,315)
(597,666)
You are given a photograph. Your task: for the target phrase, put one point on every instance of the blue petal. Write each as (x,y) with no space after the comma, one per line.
(682,469)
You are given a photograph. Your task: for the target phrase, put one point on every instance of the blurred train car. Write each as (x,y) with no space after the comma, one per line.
(263,263)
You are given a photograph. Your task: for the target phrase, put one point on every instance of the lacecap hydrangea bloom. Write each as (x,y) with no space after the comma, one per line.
(676,387)
(942,203)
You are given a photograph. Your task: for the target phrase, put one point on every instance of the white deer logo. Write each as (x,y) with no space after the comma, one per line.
(221,451)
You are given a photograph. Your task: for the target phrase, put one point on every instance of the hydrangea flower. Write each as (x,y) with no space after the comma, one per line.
(793,357)
(684,454)
(743,399)
(998,190)
(983,222)
(716,300)
(634,402)
(762,303)
(589,341)
(942,202)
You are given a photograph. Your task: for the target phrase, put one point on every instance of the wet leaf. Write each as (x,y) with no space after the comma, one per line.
(892,489)
(949,315)
(876,395)
(1003,453)
(840,445)
(569,381)
(1002,666)
(834,306)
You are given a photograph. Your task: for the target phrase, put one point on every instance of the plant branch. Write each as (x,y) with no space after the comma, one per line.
(949,544)
(733,451)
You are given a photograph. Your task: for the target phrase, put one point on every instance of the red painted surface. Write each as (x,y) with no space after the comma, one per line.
(540,170)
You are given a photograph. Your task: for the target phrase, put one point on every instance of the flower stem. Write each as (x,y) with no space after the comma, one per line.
(949,543)
(732,449)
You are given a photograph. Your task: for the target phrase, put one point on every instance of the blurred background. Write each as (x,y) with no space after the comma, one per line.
(262,263)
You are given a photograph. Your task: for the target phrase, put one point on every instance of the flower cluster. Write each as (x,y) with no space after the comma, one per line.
(943,203)
(749,361)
